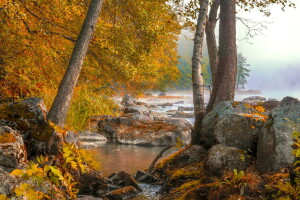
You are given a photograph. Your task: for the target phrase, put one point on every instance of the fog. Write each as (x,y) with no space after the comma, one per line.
(274,55)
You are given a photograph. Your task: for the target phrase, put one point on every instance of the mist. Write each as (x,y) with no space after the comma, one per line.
(273,55)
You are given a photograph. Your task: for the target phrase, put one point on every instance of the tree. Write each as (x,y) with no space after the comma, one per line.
(197,79)
(242,72)
(224,87)
(59,110)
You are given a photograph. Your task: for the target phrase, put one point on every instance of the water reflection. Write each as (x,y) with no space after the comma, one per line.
(129,158)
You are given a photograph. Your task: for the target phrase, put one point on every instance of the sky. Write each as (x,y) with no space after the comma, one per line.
(274,56)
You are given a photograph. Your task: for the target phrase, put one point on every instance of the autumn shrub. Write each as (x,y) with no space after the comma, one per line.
(51,177)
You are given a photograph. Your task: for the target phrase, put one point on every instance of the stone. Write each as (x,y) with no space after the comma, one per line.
(128,100)
(144,177)
(85,197)
(8,182)
(124,179)
(126,130)
(165,104)
(94,184)
(90,139)
(181,114)
(271,104)
(13,152)
(274,150)
(238,131)
(221,111)
(179,102)
(122,193)
(70,137)
(162,94)
(221,158)
(254,99)
(181,108)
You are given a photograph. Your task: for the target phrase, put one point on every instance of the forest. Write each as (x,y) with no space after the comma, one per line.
(143,100)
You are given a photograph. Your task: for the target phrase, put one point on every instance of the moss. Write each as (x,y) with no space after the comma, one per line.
(7,138)
(193,171)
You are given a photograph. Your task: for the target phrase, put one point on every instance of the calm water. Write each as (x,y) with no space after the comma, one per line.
(129,158)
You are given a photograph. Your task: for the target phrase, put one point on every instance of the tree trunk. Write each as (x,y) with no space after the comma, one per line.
(211,40)
(59,110)
(224,88)
(197,79)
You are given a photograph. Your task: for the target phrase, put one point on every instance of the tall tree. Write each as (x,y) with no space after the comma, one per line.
(59,110)
(197,79)
(242,71)
(224,87)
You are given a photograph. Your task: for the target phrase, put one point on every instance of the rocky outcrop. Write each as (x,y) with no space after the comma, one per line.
(275,140)
(13,152)
(137,112)
(221,111)
(127,130)
(221,158)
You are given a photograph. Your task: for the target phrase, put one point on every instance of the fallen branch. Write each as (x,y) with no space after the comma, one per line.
(149,171)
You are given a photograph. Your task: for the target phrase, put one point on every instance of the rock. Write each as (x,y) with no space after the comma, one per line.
(92,183)
(179,102)
(270,105)
(128,100)
(70,137)
(8,182)
(254,99)
(238,131)
(181,114)
(162,94)
(275,140)
(29,118)
(221,158)
(140,103)
(221,111)
(13,152)
(272,99)
(89,139)
(93,121)
(153,106)
(144,177)
(122,193)
(124,179)
(165,104)
(138,113)
(127,130)
(185,108)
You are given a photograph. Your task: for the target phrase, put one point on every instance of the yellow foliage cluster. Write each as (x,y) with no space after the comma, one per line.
(133,48)
(51,177)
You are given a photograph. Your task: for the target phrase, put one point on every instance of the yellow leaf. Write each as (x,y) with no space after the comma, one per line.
(17,172)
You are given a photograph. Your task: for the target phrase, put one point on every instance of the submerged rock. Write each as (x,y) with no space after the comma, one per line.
(221,158)
(274,149)
(126,130)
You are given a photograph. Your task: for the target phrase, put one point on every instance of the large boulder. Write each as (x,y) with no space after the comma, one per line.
(221,158)
(29,118)
(13,152)
(237,130)
(274,149)
(127,130)
(221,111)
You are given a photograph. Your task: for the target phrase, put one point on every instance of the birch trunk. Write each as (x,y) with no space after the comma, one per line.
(197,79)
